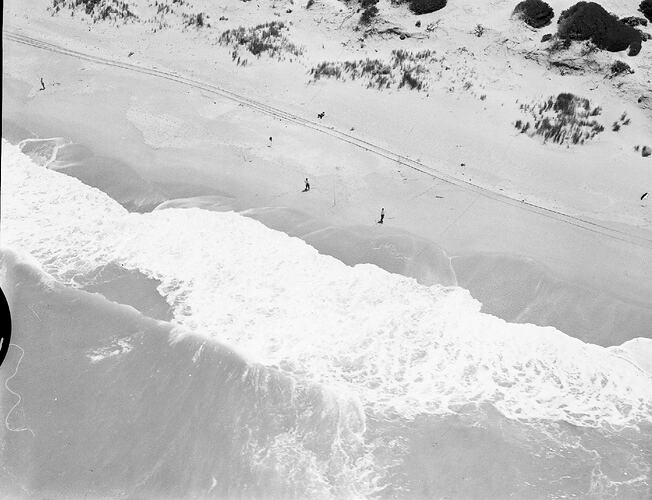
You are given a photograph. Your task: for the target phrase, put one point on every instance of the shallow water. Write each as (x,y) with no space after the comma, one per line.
(111,404)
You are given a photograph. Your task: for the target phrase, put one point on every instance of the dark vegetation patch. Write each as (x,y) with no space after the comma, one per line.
(565,119)
(97,10)
(198,20)
(645,151)
(623,121)
(404,69)
(479,30)
(535,13)
(619,68)
(268,38)
(419,7)
(634,21)
(369,11)
(590,21)
(646,9)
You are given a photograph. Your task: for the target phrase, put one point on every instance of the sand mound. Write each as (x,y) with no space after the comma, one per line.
(535,13)
(590,21)
(426,6)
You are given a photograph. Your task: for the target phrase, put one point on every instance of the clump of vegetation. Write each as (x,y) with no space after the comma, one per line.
(404,69)
(369,12)
(590,21)
(646,9)
(534,13)
(478,30)
(198,20)
(426,6)
(620,67)
(623,121)
(97,10)
(565,119)
(634,21)
(268,38)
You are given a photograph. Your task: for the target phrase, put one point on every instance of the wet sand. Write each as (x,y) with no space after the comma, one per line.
(516,289)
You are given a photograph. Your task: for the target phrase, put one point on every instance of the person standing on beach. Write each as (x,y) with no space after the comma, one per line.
(42,84)
(382,215)
(270,141)
(307,188)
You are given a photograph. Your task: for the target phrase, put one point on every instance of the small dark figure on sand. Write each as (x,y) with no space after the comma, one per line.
(307,188)
(321,115)
(270,141)
(382,215)
(42,84)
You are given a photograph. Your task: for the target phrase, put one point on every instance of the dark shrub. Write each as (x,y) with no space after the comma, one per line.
(368,14)
(620,67)
(589,21)
(535,13)
(426,6)
(646,9)
(565,119)
(546,38)
(634,21)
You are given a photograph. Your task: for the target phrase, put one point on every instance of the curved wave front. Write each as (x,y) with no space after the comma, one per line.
(392,344)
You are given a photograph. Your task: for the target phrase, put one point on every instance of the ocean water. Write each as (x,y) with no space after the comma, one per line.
(284,372)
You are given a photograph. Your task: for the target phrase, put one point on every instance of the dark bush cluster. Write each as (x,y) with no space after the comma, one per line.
(97,10)
(369,11)
(535,13)
(426,6)
(264,38)
(590,21)
(634,21)
(565,119)
(405,69)
(623,121)
(646,9)
(620,67)
(198,20)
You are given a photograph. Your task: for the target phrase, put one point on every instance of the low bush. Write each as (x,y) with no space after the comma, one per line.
(478,30)
(426,6)
(404,69)
(564,119)
(620,67)
(198,20)
(590,21)
(535,13)
(634,21)
(370,11)
(646,9)
(97,10)
(265,38)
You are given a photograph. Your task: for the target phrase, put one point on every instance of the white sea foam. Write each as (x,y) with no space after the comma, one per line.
(382,337)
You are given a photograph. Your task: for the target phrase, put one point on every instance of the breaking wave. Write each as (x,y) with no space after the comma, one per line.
(381,338)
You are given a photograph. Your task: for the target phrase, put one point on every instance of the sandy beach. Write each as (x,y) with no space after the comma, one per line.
(156,132)
(190,323)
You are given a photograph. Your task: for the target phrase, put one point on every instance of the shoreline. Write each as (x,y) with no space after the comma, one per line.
(161,135)
(514,288)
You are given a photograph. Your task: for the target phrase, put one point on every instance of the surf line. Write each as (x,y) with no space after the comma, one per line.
(22,353)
